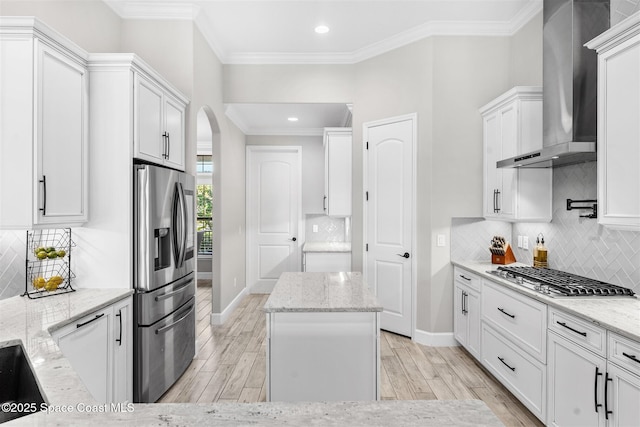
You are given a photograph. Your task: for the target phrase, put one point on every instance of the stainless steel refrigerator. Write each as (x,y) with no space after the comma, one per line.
(164,279)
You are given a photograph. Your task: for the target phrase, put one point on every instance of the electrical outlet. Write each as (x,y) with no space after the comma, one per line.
(525,242)
(315,228)
(520,242)
(440,240)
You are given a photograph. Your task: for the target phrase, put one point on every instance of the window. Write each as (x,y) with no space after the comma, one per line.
(204,195)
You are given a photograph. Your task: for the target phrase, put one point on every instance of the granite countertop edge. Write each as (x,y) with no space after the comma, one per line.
(594,310)
(31,323)
(424,413)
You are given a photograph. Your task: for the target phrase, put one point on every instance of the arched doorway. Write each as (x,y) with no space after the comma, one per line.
(208,208)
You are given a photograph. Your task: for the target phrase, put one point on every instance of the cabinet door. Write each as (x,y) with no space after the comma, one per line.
(492,153)
(575,384)
(149,143)
(338,174)
(122,342)
(175,128)
(623,397)
(460,324)
(472,305)
(619,136)
(507,177)
(60,132)
(86,345)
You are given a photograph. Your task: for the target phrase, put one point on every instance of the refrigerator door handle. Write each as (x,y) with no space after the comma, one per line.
(175,224)
(183,202)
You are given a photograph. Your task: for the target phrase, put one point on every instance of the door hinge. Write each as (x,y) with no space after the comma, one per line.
(367,247)
(366,195)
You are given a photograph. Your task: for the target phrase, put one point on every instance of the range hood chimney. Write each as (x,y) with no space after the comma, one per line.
(570,84)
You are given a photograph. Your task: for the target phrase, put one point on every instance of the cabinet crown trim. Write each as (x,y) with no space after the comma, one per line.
(131,61)
(518,92)
(32,26)
(626,29)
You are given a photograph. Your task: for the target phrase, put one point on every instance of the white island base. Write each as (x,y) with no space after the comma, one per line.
(322,339)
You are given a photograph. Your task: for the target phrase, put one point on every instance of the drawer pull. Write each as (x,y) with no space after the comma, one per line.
(505,364)
(465,278)
(631,356)
(607,378)
(584,334)
(595,389)
(80,325)
(513,316)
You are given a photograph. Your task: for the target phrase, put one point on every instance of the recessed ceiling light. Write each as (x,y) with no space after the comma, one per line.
(322,29)
(293,119)
(555,157)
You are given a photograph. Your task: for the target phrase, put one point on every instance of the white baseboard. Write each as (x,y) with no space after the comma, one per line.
(205,275)
(220,318)
(435,339)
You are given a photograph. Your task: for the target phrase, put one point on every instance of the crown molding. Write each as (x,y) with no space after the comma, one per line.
(181,11)
(190,11)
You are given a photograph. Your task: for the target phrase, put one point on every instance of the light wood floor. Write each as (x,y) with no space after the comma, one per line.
(230,366)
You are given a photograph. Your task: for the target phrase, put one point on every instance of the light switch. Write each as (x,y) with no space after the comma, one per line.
(525,242)
(440,240)
(315,228)
(520,241)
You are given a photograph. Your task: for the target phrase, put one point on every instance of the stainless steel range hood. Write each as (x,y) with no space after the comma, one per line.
(570,84)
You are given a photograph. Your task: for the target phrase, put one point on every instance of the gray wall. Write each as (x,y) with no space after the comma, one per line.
(444,80)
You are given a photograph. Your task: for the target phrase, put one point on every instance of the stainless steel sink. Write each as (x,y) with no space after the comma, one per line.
(19,386)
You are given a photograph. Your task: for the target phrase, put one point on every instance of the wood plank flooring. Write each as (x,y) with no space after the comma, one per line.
(230,366)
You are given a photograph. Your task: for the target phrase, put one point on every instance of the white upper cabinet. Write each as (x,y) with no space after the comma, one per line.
(618,125)
(512,124)
(337,176)
(159,124)
(43,131)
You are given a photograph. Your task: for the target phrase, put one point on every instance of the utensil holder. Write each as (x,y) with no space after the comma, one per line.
(507,258)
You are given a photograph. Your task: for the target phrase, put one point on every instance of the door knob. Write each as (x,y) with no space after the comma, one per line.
(293,239)
(405,255)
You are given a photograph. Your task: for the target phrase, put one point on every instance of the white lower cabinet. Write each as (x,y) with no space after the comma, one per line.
(329,262)
(466,315)
(590,384)
(523,375)
(100,349)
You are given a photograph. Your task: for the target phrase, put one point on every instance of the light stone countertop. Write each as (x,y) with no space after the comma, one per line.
(617,314)
(327,247)
(30,322)
(310,292)
(428,413)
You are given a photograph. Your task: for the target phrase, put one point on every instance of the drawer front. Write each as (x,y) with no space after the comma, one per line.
(520,318)
(466,278)
(523,376)
(579,331)
(624,352)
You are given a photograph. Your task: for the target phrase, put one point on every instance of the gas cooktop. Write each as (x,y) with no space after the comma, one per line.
(557,283)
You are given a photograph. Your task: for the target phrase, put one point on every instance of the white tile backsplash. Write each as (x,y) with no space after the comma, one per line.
(12,263)
(330,229)
(622,9)
(574,244)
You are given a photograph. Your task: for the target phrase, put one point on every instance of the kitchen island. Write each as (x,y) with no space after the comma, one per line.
(322,338)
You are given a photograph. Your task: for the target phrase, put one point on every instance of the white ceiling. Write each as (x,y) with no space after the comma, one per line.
(282,32)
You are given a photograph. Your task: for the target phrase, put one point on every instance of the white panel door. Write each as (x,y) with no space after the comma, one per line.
(389,229)
(174,126)
(273,210)
(149,121)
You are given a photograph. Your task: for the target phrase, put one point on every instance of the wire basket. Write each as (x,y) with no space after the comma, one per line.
(48,262)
